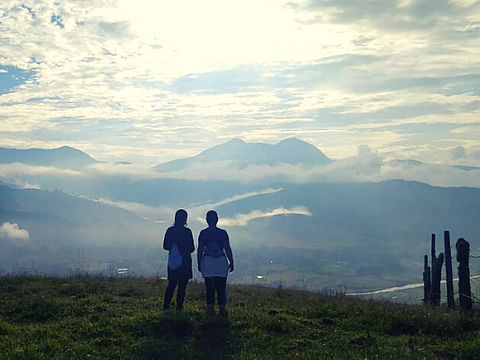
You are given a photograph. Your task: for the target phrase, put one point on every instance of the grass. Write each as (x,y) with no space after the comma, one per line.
(94,317)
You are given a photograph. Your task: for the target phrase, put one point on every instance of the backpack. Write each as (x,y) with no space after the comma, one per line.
(214,250)
(174,258)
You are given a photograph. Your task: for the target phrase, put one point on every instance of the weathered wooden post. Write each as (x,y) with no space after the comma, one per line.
(436,278)
(426,281)
(432,267)
(465,293)
(434,256)
(449,271)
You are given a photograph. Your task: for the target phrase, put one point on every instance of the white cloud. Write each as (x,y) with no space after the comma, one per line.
(244,219)
(241,197)
(458,152)
(164,214)
(365,165)
(13,232)
(153,214)
(17,169)
(152,81)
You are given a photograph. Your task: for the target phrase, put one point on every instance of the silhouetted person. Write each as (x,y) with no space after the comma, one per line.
(182,236)
(212,254)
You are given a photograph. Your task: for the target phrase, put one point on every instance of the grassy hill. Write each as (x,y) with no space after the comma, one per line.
(87,317)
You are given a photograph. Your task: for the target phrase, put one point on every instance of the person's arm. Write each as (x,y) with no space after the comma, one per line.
(229,253)
(167,241)
(200,250)
(191,245)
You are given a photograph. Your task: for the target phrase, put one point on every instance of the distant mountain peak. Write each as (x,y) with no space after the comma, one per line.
(66,147)
(243,154)
(292,140)
(63,157)
(236,141)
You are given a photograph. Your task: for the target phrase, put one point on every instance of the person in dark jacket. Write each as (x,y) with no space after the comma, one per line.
(180,235)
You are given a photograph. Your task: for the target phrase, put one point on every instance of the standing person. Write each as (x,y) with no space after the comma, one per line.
(212,254)
(180,235)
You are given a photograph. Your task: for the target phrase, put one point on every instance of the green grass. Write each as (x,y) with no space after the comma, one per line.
(89,317)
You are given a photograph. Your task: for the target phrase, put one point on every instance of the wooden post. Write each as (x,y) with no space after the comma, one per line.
(426,281)
(436,278)
(434,256)
(449,271)
(465,293)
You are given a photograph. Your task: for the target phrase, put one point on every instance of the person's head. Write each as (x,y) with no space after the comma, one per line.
(180,218)
(212,218)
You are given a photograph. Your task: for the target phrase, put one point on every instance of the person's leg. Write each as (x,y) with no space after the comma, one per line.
(169,293)
(210,294)
(221,289)
(182,286)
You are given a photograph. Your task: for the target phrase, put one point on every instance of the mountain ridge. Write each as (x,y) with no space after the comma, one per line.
(63,157)
(243,154)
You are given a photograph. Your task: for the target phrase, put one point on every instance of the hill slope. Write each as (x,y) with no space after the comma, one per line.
(63,157)
(58,224)
(111,318)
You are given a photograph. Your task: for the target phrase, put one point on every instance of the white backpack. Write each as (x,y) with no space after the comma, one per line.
(174,258)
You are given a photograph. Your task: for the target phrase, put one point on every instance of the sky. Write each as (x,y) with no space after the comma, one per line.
(152,81)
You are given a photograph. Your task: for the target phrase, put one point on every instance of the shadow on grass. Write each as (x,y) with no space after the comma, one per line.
(214,339)
(178,336)
(167,338)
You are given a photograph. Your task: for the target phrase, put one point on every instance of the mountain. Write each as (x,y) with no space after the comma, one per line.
(242,154)
(64,157)
(370,225)
(58,223)
(367,230)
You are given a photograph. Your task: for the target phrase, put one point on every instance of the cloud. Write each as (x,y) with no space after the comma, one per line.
(153,214)
(366,166)
(13,232)
(397,15)
(475,155)
(18,169)
(20,183)
(239,197)
(159,214)
(149,82)
(244,219)
(27,176)
(458,152)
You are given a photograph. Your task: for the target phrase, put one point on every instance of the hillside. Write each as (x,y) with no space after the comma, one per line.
(322,233)
(87,317)
(58,224)
(363,236)
(63,157)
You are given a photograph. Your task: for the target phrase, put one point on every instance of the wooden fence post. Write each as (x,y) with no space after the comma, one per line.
(426,281)
(436,278)
(449,271)
(465,293)
(434,256)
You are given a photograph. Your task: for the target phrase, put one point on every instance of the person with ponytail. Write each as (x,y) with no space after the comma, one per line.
(180,236)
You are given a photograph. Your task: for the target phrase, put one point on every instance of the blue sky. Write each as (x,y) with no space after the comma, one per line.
(148,81)
(11,77)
